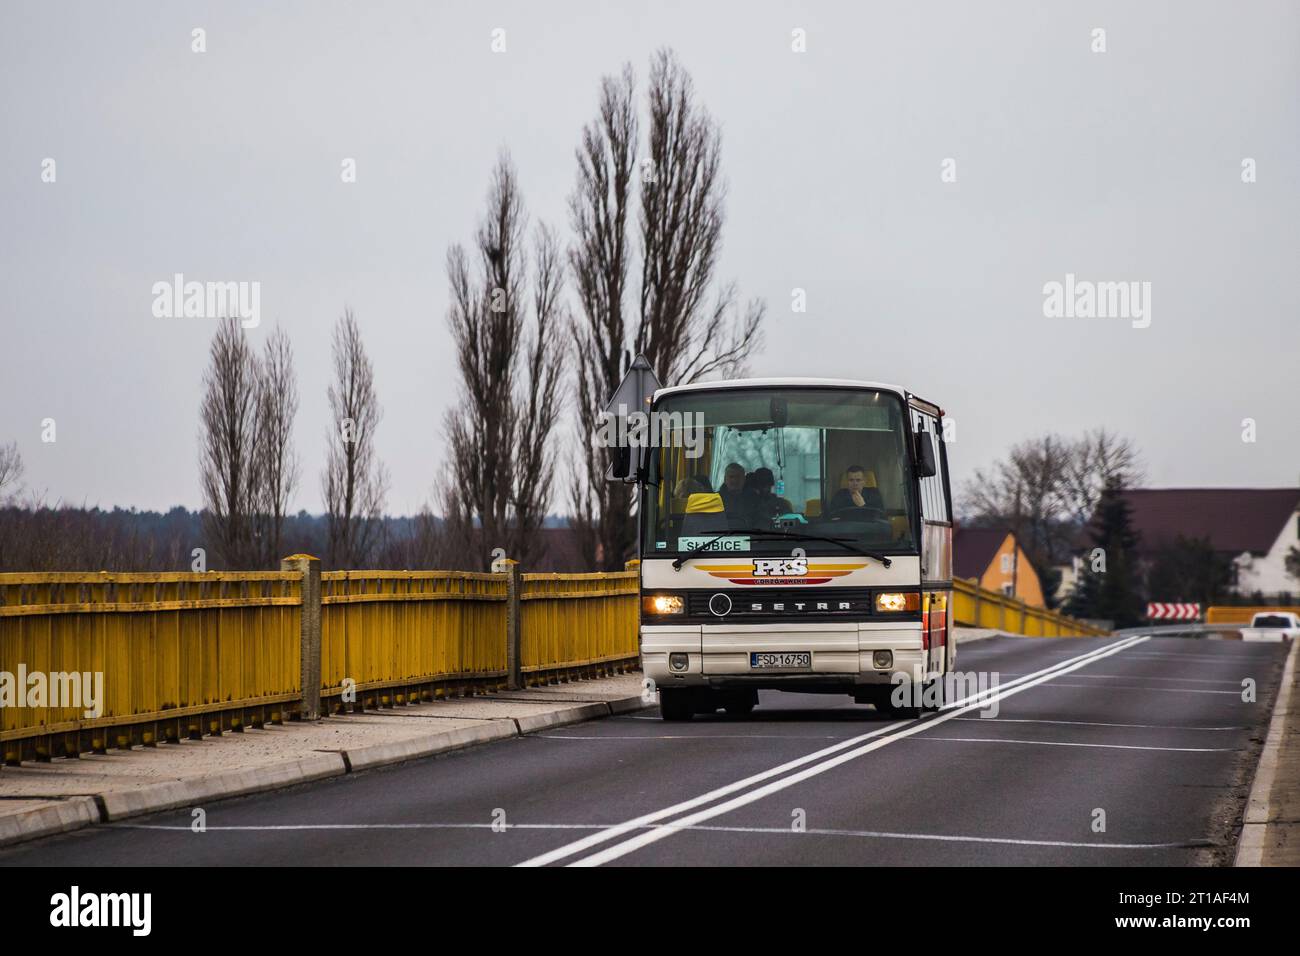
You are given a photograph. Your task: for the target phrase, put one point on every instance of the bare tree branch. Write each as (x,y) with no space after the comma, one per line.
(498,485)
(355,482)
(684,337)
(229,459)
(278,464)
(1047,489)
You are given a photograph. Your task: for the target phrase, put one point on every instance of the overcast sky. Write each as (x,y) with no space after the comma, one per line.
(1117,166)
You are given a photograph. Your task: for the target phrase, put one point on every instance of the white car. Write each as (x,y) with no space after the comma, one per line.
(1272,626)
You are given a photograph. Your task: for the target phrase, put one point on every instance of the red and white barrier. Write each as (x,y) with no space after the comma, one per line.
(1173,612)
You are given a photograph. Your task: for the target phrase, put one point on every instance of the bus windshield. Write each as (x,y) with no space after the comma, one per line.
(801,464)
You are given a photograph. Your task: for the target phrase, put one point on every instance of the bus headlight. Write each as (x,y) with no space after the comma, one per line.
(898,601)
(663,604)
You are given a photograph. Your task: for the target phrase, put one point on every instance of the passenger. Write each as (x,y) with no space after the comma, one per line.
(690,486)
(735,497)
(766,505)
(856,494)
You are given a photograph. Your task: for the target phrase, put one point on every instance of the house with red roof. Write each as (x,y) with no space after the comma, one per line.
(1254,527)
(993,559)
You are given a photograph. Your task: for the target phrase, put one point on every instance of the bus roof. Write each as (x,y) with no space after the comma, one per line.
(784,382)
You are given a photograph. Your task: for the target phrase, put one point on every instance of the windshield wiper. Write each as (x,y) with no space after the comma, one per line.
(772,533)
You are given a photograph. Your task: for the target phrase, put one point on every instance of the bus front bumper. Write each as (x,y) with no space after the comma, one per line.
(841,656)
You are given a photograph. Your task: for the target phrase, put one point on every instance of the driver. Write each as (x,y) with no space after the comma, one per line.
(856,494)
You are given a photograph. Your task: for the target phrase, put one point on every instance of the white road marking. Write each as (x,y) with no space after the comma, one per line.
(693,737)
(611,833)
(981,700)
(1068,743)
(1188,680)
(1202,658)
(943,837)
(876,834)
(1157,690)
(1086,723)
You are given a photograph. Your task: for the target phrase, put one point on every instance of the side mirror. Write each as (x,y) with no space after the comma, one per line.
(621,466)
(926,466)
(629,462)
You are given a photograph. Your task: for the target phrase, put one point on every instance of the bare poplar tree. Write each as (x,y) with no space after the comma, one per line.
(354,482)
(501,466)
(538,401)
(599,260)
(686,327)
(228,446)
(682,198)
(277,461)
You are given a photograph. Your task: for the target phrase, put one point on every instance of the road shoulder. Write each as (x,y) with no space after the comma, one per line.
(1270,832)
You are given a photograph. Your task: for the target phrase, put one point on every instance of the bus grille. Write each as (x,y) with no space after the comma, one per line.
(784,604)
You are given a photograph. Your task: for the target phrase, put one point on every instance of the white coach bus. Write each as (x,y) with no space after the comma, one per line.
(795,534)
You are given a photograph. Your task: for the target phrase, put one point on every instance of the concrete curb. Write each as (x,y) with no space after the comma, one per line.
(625,705)
(71,814)
(379,755)
(558,718)
(1254,824)
(185,793)
(83,811)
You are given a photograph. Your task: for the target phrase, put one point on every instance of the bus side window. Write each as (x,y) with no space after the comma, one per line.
(941,477)
(934,500)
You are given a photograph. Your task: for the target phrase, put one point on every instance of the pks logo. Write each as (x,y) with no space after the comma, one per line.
(769,571)
(780,567)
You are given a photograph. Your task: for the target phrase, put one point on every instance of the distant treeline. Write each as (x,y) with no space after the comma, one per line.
(93,539)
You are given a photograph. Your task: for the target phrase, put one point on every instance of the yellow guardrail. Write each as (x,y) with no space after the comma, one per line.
(183,655)
(396,633)
(974,606)
(1240,615)
(155,657)
(573,621)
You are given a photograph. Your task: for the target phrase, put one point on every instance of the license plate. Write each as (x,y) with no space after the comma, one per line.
(780,659)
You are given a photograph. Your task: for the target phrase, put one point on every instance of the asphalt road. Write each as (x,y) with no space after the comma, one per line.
(1148,737)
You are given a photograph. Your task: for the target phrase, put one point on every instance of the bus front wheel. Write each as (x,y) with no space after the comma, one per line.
(676,703)
(741,703)
(883,700)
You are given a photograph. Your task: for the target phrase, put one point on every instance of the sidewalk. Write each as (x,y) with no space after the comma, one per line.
(1270,832)
(38,799)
